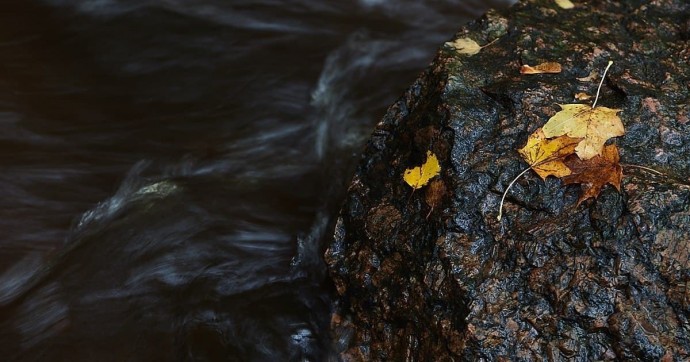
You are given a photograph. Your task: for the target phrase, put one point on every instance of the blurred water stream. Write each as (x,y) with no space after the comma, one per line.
(170,169)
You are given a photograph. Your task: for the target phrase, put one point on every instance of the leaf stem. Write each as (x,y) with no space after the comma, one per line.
(601,82)
(489,43)
(644,168)
(500,207)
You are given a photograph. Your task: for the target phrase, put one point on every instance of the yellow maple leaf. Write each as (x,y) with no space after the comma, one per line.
(546,156)
(418,177)
(593,125)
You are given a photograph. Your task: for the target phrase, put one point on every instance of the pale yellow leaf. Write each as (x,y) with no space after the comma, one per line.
(592,76)
(594,125)
(565,4)
(466,46)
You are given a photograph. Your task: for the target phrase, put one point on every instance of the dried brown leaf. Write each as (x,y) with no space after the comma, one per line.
(434,194)
(548,67)
(595,172)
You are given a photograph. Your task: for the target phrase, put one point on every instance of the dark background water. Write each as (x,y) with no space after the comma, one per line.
(171,169)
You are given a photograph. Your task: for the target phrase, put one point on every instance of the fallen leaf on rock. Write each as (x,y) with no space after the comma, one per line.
(595,172)
(565,4)
(545,156)
(592,75)
(548,67)
(434,194)
(594,125)
(466,46)
(582,130)
(582,96)
(418,177)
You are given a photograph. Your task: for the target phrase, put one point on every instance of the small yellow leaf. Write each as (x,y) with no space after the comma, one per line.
(466,46)
(548,67)
(418,177)
(565,4)
(594,125)
(545,157)
(582,96)
(592,75)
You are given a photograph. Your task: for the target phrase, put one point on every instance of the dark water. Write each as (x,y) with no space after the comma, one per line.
(171,169)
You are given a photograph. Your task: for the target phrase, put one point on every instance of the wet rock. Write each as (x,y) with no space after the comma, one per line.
(438,277)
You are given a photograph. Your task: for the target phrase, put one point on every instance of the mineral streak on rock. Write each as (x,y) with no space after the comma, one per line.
(608,280)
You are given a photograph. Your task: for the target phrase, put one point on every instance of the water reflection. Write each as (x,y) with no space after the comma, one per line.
(171,169)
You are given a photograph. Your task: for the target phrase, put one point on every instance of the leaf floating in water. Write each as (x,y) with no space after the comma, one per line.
(418,177)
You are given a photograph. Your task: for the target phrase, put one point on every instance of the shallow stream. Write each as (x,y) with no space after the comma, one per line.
(171,169)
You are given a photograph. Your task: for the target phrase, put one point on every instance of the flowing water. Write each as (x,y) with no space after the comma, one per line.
(171,169)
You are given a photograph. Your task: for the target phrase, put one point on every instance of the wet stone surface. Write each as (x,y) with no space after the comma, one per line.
(606,280)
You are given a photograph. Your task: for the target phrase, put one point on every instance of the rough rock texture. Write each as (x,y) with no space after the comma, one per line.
(608,280)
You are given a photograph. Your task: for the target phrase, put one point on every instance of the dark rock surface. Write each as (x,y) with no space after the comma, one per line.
(608,280)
